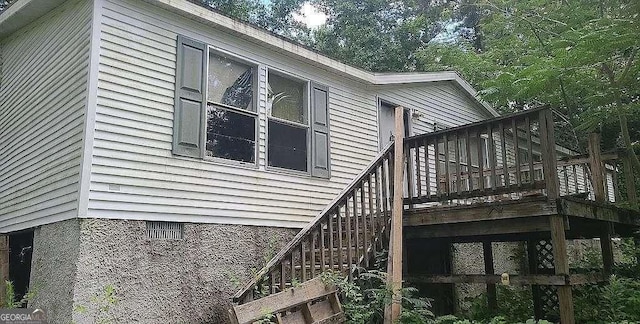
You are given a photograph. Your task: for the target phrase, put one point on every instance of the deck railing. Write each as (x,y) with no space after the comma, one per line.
(498,156)
(343,237)
(507,158)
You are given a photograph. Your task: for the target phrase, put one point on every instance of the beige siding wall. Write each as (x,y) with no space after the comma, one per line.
(43,96)
(134,174)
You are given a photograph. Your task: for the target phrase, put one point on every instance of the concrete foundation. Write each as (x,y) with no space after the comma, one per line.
(99,270)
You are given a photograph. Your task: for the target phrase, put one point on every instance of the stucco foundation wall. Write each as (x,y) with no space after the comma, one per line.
(468,258)
(53,269)
(166,281)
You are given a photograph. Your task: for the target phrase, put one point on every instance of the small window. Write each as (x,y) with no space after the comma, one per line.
(288,123)
(231,121)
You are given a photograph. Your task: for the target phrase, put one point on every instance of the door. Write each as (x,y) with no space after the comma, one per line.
(386,122)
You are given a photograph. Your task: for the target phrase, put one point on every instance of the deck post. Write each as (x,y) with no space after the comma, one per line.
(4,268)
(492,298)
(558,237)
(595,164)
(629,180)
(394,262)
(607,249)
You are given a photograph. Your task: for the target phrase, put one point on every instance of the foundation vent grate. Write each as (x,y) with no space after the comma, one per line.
(165,230)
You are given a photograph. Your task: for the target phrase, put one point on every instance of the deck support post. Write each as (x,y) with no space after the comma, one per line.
(556,222)
(394,262)
(4,268)
(607,249)
(629,181)
(595,164)
(492,298)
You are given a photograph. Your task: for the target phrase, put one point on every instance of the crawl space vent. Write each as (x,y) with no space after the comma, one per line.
(165,230)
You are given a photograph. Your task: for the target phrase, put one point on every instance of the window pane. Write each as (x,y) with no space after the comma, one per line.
(230,135)
(230,83)
(286,99)
(287,146)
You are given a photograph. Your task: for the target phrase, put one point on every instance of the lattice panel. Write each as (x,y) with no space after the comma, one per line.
(548,294)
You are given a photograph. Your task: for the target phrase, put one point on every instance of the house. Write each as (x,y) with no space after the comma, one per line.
(160,151)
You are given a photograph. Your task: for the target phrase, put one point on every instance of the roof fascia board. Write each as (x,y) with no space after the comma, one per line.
(22,13)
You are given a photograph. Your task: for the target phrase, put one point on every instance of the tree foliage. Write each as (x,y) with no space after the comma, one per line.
(579,57)
(4,4)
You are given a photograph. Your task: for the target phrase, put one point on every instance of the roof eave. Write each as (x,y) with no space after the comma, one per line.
(23,12)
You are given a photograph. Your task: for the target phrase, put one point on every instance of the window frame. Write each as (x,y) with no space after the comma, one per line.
(255,84)
(307,113)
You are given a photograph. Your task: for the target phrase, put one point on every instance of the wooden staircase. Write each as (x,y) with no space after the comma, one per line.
(344,237)
(475,168)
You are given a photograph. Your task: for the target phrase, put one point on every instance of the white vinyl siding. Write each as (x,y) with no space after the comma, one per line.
(134,173)
(43,91)
(134,121)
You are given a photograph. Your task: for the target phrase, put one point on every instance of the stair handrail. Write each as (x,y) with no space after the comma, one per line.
(387,151)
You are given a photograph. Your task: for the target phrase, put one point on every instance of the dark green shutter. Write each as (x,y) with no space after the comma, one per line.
(190,112)
(320,151)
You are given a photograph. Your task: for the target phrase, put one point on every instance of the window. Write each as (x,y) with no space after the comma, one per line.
(216,112)
(288,126)
(231,120)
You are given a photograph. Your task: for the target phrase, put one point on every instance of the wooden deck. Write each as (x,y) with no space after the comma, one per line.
(503,179)
(518,220)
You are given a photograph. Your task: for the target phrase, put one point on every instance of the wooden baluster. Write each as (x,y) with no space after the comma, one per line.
(349,245)
(379,199)
(505,164)
(566,179)
(372,218)
(409,173)
(456,141)
(516,150)
(365,230)
(447,178)
(480,162)
(303,262)
(575,179)
(292,267)
(356,223)
(340,245)
(272,283)
(323,244)
(418,173)
(467,143)
(282,275)
(606,182)
(436,146)
(491,153)
(385,199)
(330,237)
(314,250)
(427,170)
(527,123)
(585,176)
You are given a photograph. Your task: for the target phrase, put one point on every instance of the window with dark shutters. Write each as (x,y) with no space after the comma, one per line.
(216,114)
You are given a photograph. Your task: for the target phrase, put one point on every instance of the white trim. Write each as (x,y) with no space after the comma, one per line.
(90,111)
